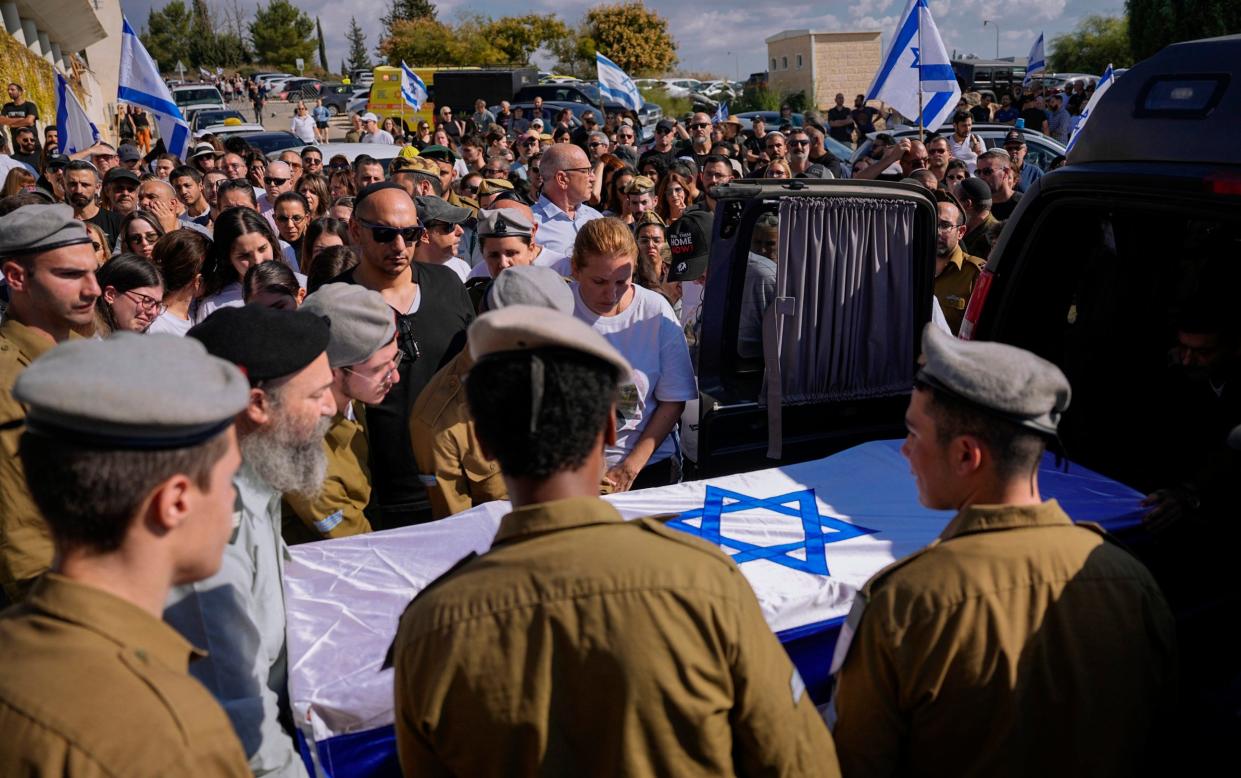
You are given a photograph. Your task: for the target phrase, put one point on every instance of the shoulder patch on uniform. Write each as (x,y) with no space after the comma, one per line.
(390,656)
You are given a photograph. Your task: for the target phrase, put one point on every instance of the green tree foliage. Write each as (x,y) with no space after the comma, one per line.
(408,11)
(633,37)
(359,57)
(475,40)
(167,34)
(575,54)
(322,44)
(1096,42)
(517,37)
(1154,24)
(281,34)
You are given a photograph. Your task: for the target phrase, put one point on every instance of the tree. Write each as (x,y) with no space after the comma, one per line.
(359,57)
(1098,41)
(167,35)
(1154,24)
(516,38)
(408,11)
(281,34)
(633,37)
(421,43)
(322,45)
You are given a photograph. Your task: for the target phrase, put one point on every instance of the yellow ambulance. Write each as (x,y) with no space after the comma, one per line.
(385,99)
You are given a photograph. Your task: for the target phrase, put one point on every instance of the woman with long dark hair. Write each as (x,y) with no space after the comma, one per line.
(131,295)
(243,239)
(321,234)
(313,186)
(180,256)
(139,233)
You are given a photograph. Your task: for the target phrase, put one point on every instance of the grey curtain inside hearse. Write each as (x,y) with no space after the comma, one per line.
(841,326)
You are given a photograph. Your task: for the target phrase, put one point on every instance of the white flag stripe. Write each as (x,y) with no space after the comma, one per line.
(616,84)
(1036,62)
(413,89)
(74,129)
(140,84)
(917,61)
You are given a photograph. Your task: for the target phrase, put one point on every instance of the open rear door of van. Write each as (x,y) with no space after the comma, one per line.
(816,295)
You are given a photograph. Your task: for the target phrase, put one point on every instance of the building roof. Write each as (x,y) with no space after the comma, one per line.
(71,23)
(788,34)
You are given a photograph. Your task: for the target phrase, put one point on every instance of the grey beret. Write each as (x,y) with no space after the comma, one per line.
(131,391)
(525,327)
(362,322)
(437,209)
(504,223)
(1004,380)
(35,228)
(530,285)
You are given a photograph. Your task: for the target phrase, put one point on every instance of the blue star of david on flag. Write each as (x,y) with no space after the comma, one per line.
(819,530)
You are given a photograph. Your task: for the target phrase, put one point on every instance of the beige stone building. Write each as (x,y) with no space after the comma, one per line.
(823,63)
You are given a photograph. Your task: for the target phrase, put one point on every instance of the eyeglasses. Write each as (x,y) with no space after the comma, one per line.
(296,218)
(985,172)
(492,173)
(700,126)
(144,238)
(145,302)
(467,189)
(596,144)
(270,181)
(799,143)
(578,169)
(381,233)
(945,226)
(918,162)
(393,366)
(443,228)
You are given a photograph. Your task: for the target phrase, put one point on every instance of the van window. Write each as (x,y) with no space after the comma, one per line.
(1108,292)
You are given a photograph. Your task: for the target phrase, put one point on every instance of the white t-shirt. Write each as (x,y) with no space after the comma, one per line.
(230,296)
(963,151)
(648,334)
(169,324)
(460,267)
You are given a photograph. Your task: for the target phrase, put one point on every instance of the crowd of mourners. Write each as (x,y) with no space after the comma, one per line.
(203,361)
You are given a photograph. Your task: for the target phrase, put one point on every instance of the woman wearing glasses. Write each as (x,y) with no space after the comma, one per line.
(99,243)
(243,239)
(674,193)
(641,325)
(139,232)
(132,295)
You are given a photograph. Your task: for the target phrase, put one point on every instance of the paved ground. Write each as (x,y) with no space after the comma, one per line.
(278,115)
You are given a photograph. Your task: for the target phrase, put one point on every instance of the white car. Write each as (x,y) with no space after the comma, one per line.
(681,87)
(226,129)
(383,152)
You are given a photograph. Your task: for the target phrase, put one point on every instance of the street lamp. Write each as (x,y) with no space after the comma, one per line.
(985,22)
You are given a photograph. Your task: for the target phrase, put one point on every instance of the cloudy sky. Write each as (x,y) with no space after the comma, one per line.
(726,37)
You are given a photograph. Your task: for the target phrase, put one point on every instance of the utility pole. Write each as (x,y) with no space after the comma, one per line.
(985,22)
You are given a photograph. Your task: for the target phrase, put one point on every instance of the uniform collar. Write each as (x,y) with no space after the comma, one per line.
(957,258)
(992,518)
(553,516)
(29,342)
(121,622)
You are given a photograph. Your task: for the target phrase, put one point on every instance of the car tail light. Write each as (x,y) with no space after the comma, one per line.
(1223,183)
(978,298)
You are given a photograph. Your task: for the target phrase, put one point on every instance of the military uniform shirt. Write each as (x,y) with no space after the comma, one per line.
(582,644)
(1015,644)
(25,542)
(451,462)
(955,284)
(336,511)
(94,686)
(979,240)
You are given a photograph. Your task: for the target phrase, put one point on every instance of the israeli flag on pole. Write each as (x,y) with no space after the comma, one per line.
(74,129)
(140,84)
(616,84)
(721,113)
(916,61)
(413,90)
(1105,83)
(1036,62)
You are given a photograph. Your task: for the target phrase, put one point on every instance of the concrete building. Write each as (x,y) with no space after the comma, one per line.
(79,38)
(823,63)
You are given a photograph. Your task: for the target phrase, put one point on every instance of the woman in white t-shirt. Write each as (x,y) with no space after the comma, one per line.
(641,325)
(180,256)
(242,239)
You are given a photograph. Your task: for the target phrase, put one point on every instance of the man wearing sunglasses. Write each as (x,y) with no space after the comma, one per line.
(432,310)
(441,234)
(365,360)
(277,181)
(661,148)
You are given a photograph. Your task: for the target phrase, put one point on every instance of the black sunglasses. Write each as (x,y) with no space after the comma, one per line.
(699,126)
(382,233)
(270,181)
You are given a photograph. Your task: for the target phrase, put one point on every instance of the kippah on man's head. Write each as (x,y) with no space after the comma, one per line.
(265,343)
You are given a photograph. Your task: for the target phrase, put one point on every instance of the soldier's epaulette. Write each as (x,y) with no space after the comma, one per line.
(887,570)
(462,562)
(979,262)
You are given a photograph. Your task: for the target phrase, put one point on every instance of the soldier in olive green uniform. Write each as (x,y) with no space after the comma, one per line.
(1017,643)
(49,265)
(457,473)
(955,271)
(580,643)
(94,683)
(364,357)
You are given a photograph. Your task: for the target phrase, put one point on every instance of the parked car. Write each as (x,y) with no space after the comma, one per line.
(266,141)
(336,97)
(771,119)
(587,92)
(208,117)
(382,152)
(1040,149)
(197,97)
(1066,81)
(301,89)
(230,128)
